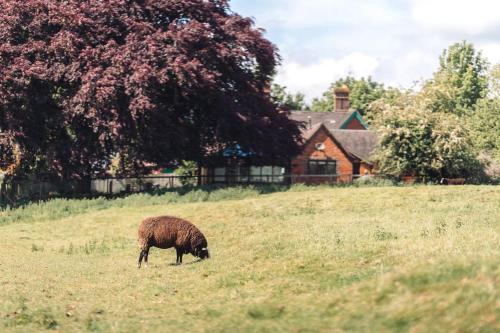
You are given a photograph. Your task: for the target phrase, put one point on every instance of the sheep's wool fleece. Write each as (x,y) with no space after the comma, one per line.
(168,231)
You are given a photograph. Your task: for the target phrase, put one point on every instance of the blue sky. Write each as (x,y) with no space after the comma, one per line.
(396,42)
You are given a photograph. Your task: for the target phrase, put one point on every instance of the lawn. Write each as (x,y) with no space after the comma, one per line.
(397,259)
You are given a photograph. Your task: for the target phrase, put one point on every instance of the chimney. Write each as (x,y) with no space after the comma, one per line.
(341,95)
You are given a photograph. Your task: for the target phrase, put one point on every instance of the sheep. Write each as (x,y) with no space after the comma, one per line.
(453,181)
(167,231)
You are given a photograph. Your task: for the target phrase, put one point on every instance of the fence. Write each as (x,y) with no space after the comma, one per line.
(42,190)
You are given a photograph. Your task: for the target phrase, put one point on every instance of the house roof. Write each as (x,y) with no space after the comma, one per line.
(337,119)
(359,143)
(307,133)
(334,119)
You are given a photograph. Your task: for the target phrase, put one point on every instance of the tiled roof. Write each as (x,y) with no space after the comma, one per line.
(332,119)
(307,133)
(360,143)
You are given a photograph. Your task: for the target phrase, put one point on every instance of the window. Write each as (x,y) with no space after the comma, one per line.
(220,174)
(320,146)
(356,168)
(321,167)
(244,174)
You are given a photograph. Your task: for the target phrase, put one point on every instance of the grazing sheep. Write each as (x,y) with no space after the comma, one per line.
(165,232)
(453,181)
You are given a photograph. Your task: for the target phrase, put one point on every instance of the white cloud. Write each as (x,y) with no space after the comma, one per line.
(314,79)
(457,16)
(491,51)
(397,42)
(317,13)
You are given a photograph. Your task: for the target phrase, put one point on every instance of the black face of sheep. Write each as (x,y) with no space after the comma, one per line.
(202,252)
(165,232)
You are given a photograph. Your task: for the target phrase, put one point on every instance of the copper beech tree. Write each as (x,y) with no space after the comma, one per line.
(148,80)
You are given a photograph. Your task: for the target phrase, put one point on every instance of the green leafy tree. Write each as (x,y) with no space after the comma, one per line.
(363,92)
(187,170)
(460,82)
(494,82)
(416,141)
(287,101)
(485,126)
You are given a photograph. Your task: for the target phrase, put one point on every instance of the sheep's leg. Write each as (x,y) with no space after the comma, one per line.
(141,256)
(146,256)
(179,256)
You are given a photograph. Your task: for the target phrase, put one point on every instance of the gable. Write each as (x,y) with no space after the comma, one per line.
(332,148)
(354,124)
(332,120)
(355,121)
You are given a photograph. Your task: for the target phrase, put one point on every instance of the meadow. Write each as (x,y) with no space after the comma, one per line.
(371,259)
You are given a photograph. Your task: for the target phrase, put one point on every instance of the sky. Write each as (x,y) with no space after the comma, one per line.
(397,42)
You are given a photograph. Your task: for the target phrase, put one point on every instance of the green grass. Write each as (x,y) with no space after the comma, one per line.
(397,259)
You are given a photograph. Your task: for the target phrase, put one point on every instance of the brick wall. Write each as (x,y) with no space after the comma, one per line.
(331,151)
(365,169)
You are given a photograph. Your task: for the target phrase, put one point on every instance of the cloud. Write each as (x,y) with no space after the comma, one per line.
(397,42)
(491,51)
(457,16)
(314,79)
(297,14)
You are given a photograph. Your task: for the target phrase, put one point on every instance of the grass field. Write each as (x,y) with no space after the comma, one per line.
(397,259)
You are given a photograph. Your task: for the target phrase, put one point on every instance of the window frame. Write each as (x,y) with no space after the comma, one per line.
(327,165)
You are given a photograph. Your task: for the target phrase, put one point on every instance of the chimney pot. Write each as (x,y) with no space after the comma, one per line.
(341,97)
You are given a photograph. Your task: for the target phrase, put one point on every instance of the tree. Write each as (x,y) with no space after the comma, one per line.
(150,81)
(363,92)
(484,123)
(460,81)
(286,101)
(417,141)
(494,82)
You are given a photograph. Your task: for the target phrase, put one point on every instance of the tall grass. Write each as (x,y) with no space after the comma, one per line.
(59,208)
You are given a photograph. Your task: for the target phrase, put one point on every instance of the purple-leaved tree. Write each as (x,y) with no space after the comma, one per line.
(149,80)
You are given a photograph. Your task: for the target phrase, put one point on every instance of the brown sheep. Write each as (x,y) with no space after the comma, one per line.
(165,232)
(453,181)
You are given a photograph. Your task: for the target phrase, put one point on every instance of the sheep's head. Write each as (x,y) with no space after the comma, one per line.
(202,252)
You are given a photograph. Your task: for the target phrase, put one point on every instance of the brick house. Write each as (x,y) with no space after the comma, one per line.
(337,146)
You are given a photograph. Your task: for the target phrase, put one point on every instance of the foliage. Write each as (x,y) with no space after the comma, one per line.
(417,141)
(152,81)
(373,181)
(485,126)
(491,166)
(494,82)
(189,170)
(398,259)
(363,92)
(286,101)
(460,81)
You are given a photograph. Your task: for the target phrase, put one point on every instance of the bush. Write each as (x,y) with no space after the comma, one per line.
(373,181)
(415,141)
